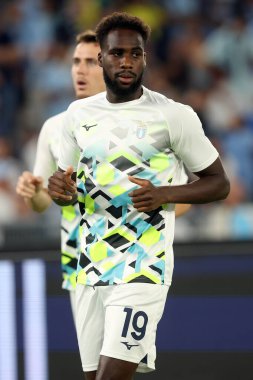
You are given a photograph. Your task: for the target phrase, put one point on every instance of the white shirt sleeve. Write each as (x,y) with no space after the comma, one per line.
(183,177)
(45,164)
(189,141)
(69,152)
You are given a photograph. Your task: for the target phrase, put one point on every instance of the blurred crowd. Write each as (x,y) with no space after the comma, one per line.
(201,54)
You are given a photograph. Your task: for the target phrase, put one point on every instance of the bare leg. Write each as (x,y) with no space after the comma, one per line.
(90,375)
(115,369)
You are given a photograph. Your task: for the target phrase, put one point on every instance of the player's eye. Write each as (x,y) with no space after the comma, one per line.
(117,53)
(136,54)
(92,62)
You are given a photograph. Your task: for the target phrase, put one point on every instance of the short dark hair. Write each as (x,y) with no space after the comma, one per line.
(88,36)
(121,20)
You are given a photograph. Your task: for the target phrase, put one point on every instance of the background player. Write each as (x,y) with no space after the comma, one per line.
(87,80)
(129,166)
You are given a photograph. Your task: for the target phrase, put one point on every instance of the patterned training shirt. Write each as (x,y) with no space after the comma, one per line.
(148,138)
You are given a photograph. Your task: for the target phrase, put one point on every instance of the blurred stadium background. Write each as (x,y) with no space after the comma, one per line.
(201,54)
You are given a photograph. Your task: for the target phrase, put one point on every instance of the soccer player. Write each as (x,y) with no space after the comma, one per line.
(87,80)
(126,148)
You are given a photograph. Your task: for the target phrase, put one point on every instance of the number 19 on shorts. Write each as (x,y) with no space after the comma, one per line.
(135,324)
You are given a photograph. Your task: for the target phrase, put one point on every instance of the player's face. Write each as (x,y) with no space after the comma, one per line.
(86,73)
(123,60)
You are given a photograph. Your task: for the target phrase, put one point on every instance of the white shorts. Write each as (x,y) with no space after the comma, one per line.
(119,321)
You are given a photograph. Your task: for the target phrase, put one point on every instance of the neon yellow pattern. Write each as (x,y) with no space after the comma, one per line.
(150,237)
(108,265)
(68,213)
(65,260)
(105,174)
(117,190)
(81,278)
(98,251)
(72,279)
(89,205)
(159,162)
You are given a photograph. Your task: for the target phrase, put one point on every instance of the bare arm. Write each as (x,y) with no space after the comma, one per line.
(62,187)
(211,185)
(34,194)
(181,209)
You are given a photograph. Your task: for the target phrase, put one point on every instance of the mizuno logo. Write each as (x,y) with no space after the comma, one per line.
(87,127)
(129,346)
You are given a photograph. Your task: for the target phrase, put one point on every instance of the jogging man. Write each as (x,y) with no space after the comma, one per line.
(87,80)
(126,148)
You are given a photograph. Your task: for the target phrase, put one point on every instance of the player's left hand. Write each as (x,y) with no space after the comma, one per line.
(147,198)
(61,186)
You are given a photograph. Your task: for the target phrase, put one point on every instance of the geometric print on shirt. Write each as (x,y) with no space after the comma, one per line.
(70,244)
(121,244)
(148,138)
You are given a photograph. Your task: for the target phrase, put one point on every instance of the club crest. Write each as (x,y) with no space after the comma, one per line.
(141,130)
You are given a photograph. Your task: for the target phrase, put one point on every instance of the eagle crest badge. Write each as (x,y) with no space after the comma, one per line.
(141,130)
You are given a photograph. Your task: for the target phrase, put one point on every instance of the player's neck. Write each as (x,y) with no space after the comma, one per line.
(116,98)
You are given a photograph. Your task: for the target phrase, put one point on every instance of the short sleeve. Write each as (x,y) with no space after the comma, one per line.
(69,151)
(183,177)
(189,142)
(45,164)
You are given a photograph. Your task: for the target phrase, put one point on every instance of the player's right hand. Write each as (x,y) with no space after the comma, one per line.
(28,185)
(61,186)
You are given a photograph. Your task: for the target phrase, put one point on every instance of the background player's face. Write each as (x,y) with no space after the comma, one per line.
(86,73)
(123,60)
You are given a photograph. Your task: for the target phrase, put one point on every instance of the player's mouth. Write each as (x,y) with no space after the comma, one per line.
(81,84)
(126,78)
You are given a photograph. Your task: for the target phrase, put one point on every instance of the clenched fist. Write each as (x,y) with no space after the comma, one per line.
(61,186)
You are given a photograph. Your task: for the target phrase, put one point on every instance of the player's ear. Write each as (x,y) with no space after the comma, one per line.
(145,59)
(100,59)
